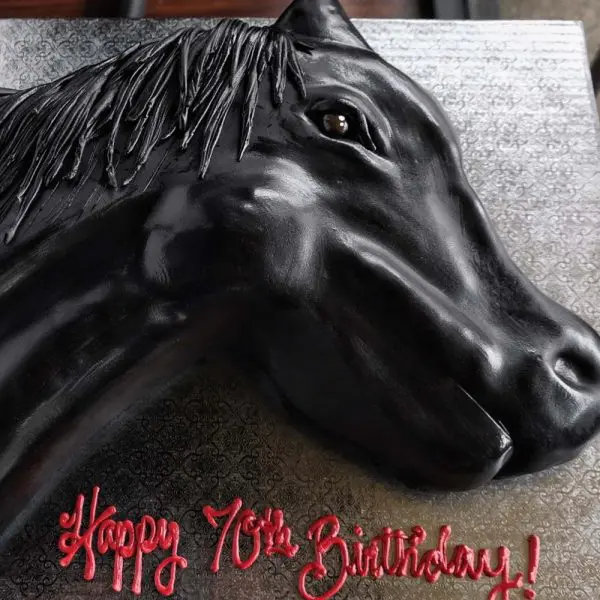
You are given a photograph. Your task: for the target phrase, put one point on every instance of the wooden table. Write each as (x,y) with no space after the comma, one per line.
(206,8)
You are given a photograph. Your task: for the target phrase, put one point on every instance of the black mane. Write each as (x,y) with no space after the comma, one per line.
(184,85)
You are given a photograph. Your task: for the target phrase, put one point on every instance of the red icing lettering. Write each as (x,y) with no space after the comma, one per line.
(391,553)
(324,542)
(394,553)
(268,533)
(534,562)
(125,540)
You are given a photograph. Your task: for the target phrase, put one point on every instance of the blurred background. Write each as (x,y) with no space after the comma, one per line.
(587,11)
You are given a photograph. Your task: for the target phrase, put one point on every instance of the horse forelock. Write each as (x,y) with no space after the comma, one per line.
(184,85)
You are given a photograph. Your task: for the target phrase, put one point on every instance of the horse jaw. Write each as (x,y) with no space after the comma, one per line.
(326,21)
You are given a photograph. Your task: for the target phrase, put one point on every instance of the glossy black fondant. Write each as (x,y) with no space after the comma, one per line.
(287,183)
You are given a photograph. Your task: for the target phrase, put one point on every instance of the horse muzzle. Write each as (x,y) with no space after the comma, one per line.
(527,370)
(550,398)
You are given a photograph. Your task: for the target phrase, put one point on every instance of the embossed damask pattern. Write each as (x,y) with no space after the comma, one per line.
(519,96)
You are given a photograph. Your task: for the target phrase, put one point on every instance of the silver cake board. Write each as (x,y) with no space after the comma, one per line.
(519,95)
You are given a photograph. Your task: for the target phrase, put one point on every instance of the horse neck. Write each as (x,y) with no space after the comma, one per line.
(82,338)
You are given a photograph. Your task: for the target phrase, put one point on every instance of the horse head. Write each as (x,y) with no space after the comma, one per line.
(419,338)
(380,302)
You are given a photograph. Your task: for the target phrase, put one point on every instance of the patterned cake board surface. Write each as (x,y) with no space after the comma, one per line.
(519,96)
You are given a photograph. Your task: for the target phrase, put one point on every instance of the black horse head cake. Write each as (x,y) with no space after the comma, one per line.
(284,192)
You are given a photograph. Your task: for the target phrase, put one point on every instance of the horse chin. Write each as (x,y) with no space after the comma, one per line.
(459,444)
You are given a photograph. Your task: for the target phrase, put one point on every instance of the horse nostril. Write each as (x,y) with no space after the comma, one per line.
(576,369)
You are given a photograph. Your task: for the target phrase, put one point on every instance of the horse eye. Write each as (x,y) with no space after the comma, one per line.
(342,122)
(335,125)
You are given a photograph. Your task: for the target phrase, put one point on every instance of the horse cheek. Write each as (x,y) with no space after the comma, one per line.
(172,261)
(154,261)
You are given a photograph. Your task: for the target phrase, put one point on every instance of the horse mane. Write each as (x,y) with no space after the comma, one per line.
(184,85)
